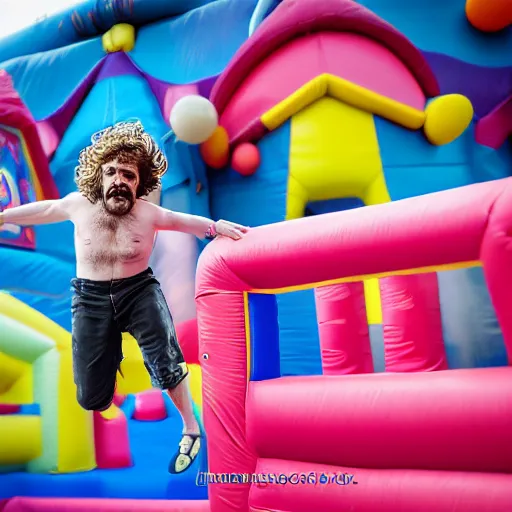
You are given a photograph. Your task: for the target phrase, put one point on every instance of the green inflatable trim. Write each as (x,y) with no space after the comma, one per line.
(22,342)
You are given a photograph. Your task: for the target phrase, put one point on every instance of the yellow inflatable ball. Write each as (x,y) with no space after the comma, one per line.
(447,117)
(193,119)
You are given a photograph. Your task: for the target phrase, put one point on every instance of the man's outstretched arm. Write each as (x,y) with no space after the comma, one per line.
(197,225)
(39,212)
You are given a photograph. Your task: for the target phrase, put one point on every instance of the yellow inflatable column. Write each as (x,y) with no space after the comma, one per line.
(334,153)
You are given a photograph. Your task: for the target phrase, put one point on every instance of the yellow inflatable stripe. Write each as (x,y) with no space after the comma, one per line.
(353,279)
(373,301)
(347,92)
(196,389)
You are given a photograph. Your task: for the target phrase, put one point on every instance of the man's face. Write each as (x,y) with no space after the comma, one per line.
(120,182)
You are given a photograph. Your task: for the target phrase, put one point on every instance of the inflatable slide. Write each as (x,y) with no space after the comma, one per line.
(354,351)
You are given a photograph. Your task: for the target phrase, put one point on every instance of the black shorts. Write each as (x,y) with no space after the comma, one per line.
(101,312)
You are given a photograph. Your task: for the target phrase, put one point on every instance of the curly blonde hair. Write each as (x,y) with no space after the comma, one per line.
(128,143)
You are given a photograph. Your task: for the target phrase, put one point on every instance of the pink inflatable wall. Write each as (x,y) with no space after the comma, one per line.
(423,426)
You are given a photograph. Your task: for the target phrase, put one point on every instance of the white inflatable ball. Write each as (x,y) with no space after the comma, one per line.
(193,119)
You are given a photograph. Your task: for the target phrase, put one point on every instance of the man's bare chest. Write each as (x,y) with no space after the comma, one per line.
(104,240)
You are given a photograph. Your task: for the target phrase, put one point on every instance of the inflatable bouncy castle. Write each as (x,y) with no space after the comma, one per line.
(354,350)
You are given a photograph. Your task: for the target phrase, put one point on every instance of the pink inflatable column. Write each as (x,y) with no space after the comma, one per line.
(411,318)
(343,329)
(496,257)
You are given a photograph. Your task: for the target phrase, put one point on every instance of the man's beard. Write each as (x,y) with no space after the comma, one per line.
(118,200)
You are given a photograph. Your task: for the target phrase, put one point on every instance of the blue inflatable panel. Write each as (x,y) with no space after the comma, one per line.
(472,335)
(299,343)
(45,81)
(32,273)
(333,205)
(185,165)
(260,199)
(264,337)
(30,410)
(89,19)
(263,9)
(57,309)
(197,45)
(418,168)
(377,344)
(441,26)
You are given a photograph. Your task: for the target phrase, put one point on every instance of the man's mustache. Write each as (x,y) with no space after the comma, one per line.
(119,191)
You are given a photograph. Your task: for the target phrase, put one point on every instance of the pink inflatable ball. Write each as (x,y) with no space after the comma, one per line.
(246,159)
(150,406)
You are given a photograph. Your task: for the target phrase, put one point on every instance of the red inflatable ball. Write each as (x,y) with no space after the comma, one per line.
(246,159)
(215,151)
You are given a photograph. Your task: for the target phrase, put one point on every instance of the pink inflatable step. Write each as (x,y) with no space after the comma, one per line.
(454,420)
(103,505)
(336,489)
(150,406)
(111,440)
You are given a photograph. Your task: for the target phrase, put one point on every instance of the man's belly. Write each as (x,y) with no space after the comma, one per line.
(113,263)
(119,270)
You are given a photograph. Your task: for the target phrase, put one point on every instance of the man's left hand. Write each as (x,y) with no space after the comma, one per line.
(230,229)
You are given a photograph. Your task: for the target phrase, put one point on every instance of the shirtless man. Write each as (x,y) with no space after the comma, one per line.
(115,291)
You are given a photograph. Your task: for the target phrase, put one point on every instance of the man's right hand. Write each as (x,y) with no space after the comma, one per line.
(1,220)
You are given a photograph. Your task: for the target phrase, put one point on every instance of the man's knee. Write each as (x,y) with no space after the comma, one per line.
(91,401)
(171,380)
